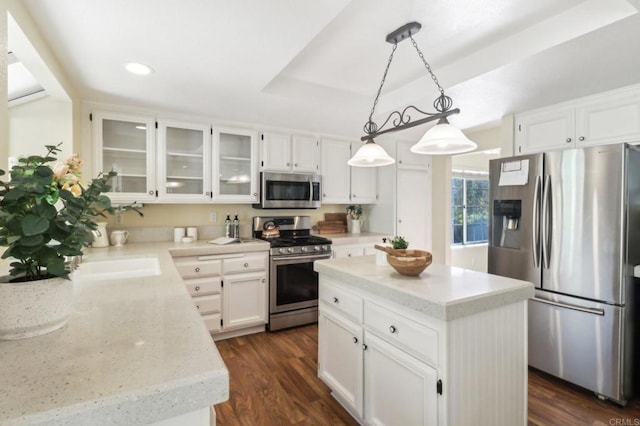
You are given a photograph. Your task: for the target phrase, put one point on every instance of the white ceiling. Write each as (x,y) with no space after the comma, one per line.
(316,65)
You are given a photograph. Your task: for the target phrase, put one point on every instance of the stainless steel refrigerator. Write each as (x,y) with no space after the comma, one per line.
(569,222)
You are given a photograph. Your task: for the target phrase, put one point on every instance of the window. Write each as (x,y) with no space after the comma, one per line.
(470,210)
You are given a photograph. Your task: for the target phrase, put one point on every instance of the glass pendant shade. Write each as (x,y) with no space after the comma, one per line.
(371,155)
(443,139)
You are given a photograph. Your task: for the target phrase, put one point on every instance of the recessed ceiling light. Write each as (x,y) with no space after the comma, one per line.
(138,68)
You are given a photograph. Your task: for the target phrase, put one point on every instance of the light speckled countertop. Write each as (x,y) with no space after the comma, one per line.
(134,351)
(441,291)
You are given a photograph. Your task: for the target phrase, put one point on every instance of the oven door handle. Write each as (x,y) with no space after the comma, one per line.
(311,257)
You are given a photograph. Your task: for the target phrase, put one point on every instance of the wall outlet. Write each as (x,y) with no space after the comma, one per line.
(213,217)
(118,219)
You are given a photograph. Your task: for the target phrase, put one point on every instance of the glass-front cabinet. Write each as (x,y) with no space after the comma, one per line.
(184,152)
(235,165)
(125,144)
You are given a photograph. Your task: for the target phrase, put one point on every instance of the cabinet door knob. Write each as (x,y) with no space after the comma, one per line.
(198,307)
(399,220)
(364,347)
(288,164)
(255,194)
(348,254)
(197,288)
(207,193)
(197,269)
(355,340)
(581,138)
(393,329)
(335,300)
(150,192)
(264,280)
(568,140)
(324,195)
(246,265)
(399,161)
(295,164)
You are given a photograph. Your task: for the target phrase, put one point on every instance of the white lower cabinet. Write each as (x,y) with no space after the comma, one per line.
(230,290)
(377,381)
(398,389)
(245,300)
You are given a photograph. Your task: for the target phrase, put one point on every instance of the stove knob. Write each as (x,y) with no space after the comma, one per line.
(291,250)
(325,248)
(317,248)
(282,250)
(305,249)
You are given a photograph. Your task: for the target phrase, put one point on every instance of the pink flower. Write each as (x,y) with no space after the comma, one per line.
(74,163)
(59,170)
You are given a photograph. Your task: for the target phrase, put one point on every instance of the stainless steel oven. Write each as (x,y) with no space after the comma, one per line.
(293,290)
(293,284)
(289,190)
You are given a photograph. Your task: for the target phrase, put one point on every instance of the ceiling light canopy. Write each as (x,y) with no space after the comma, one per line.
(439,140)
(138,68)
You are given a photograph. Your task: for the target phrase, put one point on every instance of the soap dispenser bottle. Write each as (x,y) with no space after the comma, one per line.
(227,227)
(236,227)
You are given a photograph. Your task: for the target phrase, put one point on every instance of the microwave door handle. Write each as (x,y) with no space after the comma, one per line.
(310,190)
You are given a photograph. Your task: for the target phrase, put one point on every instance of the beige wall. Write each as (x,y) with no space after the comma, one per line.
(199,214)
(45,121)
(500,136)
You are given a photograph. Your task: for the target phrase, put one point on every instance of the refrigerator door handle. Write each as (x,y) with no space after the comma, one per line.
(546,218)
(536,222)
(574,307)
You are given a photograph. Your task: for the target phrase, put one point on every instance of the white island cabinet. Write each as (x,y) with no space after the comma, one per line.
(446,348)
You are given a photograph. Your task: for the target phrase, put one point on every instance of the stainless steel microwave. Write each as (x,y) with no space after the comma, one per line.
(282,190)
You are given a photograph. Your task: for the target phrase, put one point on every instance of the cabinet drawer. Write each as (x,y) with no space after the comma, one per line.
(341,300)
(208,304)
(212,321)
(248,263)
(352,251)
(417,339)
(202,286)
(199,268)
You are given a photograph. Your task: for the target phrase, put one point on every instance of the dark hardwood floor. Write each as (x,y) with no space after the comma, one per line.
(273,381)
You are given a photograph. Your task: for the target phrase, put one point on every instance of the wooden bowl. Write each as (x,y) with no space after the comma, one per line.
(410,262)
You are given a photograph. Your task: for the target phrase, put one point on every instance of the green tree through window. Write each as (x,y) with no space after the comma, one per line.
(469,210)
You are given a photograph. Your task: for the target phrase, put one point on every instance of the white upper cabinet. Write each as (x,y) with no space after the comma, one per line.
(410,160)
(125,143)
(607,118)
(364,185)
(184,162)
(235,165)
(282,152)
(336,173)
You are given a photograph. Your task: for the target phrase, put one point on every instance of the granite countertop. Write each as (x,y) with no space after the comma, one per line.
(441,291)
(135,350)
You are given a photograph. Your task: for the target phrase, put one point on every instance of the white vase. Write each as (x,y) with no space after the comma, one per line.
(356,224)
(33,308)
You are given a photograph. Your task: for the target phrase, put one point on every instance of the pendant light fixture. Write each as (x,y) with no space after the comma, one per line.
(441,139)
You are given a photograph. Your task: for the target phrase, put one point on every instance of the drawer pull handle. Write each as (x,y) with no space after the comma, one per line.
(335,300)
(393,329)
(355,340)
(246,265)
(197,269)
(364,347)
(197,288)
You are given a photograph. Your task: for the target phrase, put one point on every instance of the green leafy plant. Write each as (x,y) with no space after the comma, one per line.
(354,212)
(399,243)
(46,214)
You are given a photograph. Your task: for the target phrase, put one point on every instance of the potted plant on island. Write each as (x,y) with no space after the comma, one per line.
(354,215)
(46,219)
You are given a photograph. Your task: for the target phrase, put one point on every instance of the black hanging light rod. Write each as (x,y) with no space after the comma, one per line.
(402,120)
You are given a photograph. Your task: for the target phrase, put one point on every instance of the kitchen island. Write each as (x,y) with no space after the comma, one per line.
(135,350)
(446,347)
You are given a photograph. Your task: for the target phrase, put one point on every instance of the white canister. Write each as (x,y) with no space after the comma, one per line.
(381,258)
(192,232)
(178,233)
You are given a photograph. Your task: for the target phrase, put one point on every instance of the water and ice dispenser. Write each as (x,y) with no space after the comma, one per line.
(506,223)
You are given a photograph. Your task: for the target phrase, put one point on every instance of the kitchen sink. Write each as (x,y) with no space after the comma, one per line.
(118,268)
